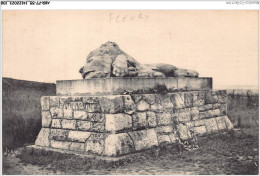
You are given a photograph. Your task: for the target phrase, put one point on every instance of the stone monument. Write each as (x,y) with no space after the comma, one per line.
(108,113)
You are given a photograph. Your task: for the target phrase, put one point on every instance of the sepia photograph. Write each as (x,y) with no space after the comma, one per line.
(130,92)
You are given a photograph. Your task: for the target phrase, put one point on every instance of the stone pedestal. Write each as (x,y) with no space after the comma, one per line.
(116,125)
(116,85)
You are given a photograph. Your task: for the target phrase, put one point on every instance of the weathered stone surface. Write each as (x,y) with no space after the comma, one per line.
(183,132)
(209,113)
(68,124)
(95,143)
(197,98)
(180,73)
(117,85)
(211,97)
(139,120)
(199,123)
(223,109)
(194,112)
(60,144)
(157,107)
(221,123)
(215,113)
(164,139)
(84,125)
(129,105)
(199,130)
(97,67)
(142,106)
(170,120)
(205,107)
(189,124)
(81,115)
(164,129)
(112,104)
(67,113)
(182,110)
(97,74)
(158,75)
(188,99)
(90,99)
(95,117)
(150,98)
(109,60)
(76,98)
(75,146)
(93,107)
(121,67)
(56,123)
(178,100)
(166,69)
(78,136)
(59,134)
(147,72)
(211,125)
(216,106)
(70,99)
(117,122)
(185,73)
(77,105)
(228,123)
(56,112)
(118,144)
(98,127)
(43,138)
(175,117)
(46,119)
(166,102)
(144,139)
(164,119)
(54,101)
(110,48)
(173,137)
(151,119)
(45,103)
(64,102)
(136,97)
(184,116)
(203,115)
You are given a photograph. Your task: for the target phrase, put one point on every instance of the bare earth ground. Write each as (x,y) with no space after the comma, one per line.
(231,153)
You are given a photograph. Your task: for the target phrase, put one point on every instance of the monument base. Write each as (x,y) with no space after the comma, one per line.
(32,149)
(117,125)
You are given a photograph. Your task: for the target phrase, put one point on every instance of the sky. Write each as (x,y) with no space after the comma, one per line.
(50,45)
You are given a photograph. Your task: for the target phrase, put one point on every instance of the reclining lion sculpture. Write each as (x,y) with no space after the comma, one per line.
(110,61)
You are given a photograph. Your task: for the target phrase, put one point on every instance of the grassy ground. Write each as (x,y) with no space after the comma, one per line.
(21,116)
(230,153)
(243,111)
